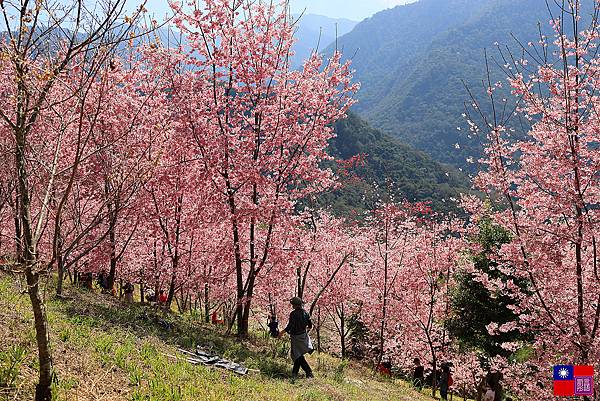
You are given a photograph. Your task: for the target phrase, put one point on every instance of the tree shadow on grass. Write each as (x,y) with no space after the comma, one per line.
(101,311)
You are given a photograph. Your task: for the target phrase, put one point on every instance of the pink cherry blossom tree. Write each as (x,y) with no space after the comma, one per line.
(260,129)
(37,55)
(546,183)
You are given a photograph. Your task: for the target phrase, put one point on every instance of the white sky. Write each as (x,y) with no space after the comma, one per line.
(352,9)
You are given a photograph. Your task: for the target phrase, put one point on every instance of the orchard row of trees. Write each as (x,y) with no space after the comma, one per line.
(192,166)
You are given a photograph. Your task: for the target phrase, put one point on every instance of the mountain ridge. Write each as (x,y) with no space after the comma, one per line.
(414,60)
(413,174)
(317,32)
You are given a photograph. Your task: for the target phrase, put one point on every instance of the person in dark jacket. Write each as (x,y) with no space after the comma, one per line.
(298,324)
(444,382)
(103,281)
(88,281)
(418,374)
(128,291)
(273,324)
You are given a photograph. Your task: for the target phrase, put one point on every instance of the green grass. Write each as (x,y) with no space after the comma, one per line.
(103,349)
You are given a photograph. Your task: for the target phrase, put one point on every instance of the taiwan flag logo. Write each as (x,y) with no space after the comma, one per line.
(572,380)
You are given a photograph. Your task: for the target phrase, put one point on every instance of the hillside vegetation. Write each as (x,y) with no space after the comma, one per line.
(413,62)
(106,350)
(413,174)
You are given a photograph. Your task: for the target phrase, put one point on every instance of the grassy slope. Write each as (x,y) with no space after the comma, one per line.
(104,350)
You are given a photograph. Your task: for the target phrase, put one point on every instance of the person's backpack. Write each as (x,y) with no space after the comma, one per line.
(450,380)
(306,317)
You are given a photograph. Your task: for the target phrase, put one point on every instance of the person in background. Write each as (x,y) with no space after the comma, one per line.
(273,324)
(445,381)
(162,298)
(151,297)
(418,374)
(298,324)
(88,281)
(128,291)
(493,381)
(103,281)
(489,394)
(214,318)
(385,367)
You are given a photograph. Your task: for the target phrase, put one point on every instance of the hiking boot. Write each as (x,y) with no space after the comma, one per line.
(309,375)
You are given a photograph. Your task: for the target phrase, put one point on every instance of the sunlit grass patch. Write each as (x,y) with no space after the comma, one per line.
(104,349)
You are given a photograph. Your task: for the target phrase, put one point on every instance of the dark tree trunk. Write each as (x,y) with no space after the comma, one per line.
(61,274)
(171,294)
(342,331)
(206,304)
(29,260)
(113,255)
(244,327)
(318,329)
(434,375)
(385,298)
(18,232)
(299,282)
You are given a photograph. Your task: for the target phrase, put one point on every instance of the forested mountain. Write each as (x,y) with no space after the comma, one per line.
(390,167)
(411,61)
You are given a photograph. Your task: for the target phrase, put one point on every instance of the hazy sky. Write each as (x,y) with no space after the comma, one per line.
(352,9)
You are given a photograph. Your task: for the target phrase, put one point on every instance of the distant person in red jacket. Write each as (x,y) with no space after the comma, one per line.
(385,368)
(214,318)
(162,297)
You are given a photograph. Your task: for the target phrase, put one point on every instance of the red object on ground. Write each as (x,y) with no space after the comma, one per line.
(384,370)
(214,318)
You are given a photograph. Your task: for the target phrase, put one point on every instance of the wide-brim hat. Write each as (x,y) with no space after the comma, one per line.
(296,301)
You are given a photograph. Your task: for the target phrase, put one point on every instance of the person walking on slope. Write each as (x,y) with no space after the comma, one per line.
(298,324)
(273,325)
(418,374)
(103,281)
(128,291)
(445,381)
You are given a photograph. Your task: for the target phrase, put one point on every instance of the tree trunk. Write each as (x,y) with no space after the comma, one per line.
(247,305)
(43,388)
(299,282)
(29,259)
(113,257)
(112,237)
(342,331)
(385,299)
(61,274)
(171,291)
(242,329)
(319,329)
(156,288)
(434,376)
(206,305)
(18,231)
